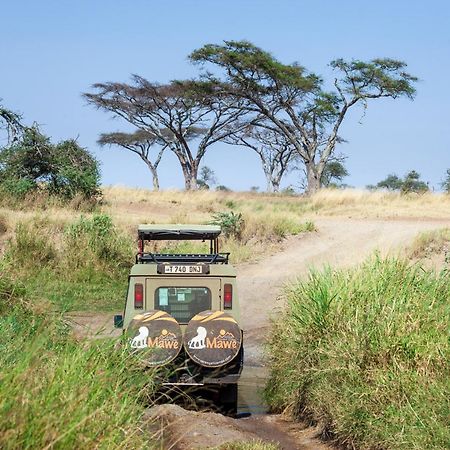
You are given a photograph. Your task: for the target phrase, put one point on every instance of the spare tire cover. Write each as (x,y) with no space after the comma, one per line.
(212,338)
(157,335)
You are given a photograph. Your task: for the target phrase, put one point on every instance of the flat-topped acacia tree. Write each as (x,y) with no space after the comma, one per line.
(141,143)
(293,100)
(274,150)
(184,116)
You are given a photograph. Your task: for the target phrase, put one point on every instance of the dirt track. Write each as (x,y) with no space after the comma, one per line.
(338,242)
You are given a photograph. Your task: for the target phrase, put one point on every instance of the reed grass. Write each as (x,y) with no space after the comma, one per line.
(58,393)
(365,353)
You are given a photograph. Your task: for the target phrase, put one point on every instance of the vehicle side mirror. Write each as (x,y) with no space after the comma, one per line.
(118,321)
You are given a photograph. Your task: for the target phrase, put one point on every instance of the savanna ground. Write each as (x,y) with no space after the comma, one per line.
(72,259)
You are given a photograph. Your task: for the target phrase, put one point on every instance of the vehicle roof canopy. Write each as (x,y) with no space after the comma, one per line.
(178,232)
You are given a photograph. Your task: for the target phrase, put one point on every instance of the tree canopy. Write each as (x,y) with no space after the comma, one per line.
(33,163)
(141,143)
(174,113)
(294,101)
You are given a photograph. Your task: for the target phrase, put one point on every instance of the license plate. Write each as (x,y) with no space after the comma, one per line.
(182,269)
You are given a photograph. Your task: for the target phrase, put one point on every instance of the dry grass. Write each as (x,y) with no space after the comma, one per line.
(365,204)
(268,218)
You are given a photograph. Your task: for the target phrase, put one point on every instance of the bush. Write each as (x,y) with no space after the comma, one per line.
(230,222)
(34,164)
(366,353)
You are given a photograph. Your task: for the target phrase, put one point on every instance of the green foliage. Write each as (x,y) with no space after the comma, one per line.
(284,227)
(333,173)
(207,178)
(382,76)
(288,191)
(95,241)
(33,163)
(230,222)
(80,268)
(411,183)
(32,246)
(11,293)
(11,122)
(446,183)
(284,93)
(366,353)
(254,68)
(58,393)
(223,188)
(392,182)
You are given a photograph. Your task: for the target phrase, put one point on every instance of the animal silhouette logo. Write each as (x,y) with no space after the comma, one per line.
(140,340)
(198,342)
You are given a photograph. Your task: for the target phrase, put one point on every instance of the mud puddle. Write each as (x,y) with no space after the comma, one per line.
(251,385)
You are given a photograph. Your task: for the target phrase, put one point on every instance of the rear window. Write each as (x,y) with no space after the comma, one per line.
(183,302)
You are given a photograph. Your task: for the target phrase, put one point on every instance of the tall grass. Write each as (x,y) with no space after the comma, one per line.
(430,243)
(366,353)
(56,393)
(79,266)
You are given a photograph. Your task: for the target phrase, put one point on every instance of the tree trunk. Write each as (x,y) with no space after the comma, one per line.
(190,177)
(270,187)
(312,178)
(155,181)
(276,184)
(154,172)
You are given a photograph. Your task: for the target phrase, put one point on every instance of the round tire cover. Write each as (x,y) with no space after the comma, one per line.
(212,338)
(157,335)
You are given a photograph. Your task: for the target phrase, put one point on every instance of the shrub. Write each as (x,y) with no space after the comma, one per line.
(34,164)
(366,353)
(230,222)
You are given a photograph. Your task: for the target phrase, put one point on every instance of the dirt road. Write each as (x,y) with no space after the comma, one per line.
(337,242)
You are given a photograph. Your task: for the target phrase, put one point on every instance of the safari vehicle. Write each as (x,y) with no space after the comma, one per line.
(182,312)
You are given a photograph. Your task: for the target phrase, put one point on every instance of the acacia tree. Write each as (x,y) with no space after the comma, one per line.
(274,150)
(293,100)
(139,142)
(175,114)
(11,122)
(333,173)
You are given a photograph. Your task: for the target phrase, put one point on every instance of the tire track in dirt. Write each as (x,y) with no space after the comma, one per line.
(338,242)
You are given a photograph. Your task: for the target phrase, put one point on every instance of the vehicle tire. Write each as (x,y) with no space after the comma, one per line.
(229,399)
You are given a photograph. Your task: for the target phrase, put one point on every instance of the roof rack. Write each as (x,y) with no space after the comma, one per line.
(158,258)
(180,232)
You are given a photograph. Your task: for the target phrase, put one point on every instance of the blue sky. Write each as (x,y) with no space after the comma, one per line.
(52,51)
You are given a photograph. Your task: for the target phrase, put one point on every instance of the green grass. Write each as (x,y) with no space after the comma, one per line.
(83,267)
(366,353)
(58,393)
(92,291)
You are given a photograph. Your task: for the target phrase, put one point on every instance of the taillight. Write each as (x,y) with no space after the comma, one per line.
(228,296)
(138,296)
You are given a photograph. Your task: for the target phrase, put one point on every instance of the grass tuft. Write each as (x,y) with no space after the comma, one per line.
(366,353)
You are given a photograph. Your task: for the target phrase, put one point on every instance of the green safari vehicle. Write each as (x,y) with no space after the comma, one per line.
(182,312)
